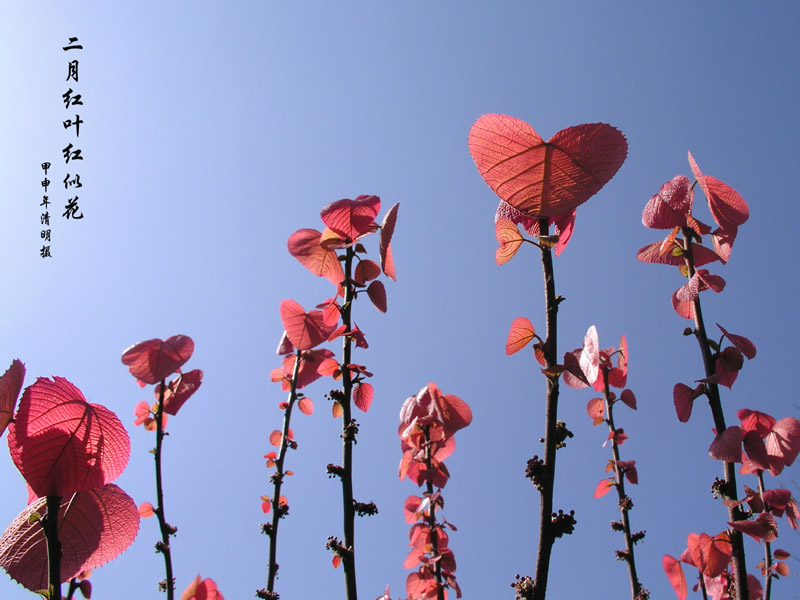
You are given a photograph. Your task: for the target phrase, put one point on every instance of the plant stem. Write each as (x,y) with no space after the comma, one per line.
(166,529)
(277,479)
(546,532)
(50,526)
(767,548)
(348,436)
(431,517)
(624,501)
(712,392)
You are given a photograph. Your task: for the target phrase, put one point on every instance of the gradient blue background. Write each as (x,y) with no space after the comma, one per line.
(213,131)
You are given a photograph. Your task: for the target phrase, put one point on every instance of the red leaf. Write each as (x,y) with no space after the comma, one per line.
(603,487)
(727,207)
(727,446)
(366,270)
(628,398)
(377,293)
(763,528)
(710,555)
(201,589)
(755,449)
(95,526)
(509,238)
(653,254)
(670,207)
(727,366)
(755,420)
(304,245)
(545,179)
(352,219)
(305,330)
(684,397)
(10,386)
(596,409)
(61,444)
(362,396)
(741,343)
(306,406)
(180,390)
(520,334)
(387,230)
(783,442)
(674,571)
(619,376)
(154,360)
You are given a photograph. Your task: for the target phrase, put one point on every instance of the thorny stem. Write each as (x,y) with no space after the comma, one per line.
(166,528)
(712,391)
(546,533)
(767,549)
(277,478)
(624,507)
(431,517)
(50,526)
(348,560)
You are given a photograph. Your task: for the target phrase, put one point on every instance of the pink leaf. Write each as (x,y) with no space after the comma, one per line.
(783,442)
(674,571)
(95,526)
(387,230)
(154,360)
(285,346)
(304,245)
(201,589)
(603,487)
(352,219)
(727,366)
(362,396)
(305,330)
(755,449)
(366,270)
(741,343)
(377,293)
(683,308)
(306,406)
(180,390)
(755,420)
(727,207)
(684,397)
(10,386)
(61,444)
(670,207)
(596,409)
(509,238)
(146,510)
(727,446)
(653,254)
(545,179)
(520,335)
(763,528)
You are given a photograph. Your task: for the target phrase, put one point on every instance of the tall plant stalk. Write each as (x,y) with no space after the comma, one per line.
(166,529)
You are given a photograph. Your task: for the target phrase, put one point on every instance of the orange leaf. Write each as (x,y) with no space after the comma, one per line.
(306,406)
(520,334)
(509,238)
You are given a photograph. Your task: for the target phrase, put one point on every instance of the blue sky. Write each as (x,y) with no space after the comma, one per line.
(213,131)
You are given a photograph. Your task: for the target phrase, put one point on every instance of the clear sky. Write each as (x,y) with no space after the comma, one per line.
(212,131)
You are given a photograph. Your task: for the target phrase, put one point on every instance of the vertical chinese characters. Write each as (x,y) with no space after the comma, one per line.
(71,152)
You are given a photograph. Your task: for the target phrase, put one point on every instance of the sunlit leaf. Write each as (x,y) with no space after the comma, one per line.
(603,487)
(366,270)
(305,330)
(95,526)
(304,245)
(509,238)
(520,335)
(352,219)
(545,179)
(153,360)
(596,409)
(61,444)
(306,406)
(741,343)
(180,390)
(10,386)
(670,207)
(727,207)
(727,446)
(653,254)
(387,230)
(764,528)
(674,571)
(362,396)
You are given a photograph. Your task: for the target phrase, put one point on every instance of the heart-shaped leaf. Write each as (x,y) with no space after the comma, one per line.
(10,386)
(670,206)
(727,446)
(520,334)
(509,238)
(304,245)
(305,330)
(362,396)
(366,270)
(727,207)
(61,444)
(94,527)
(545,179)
(154,360)
(352,219)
